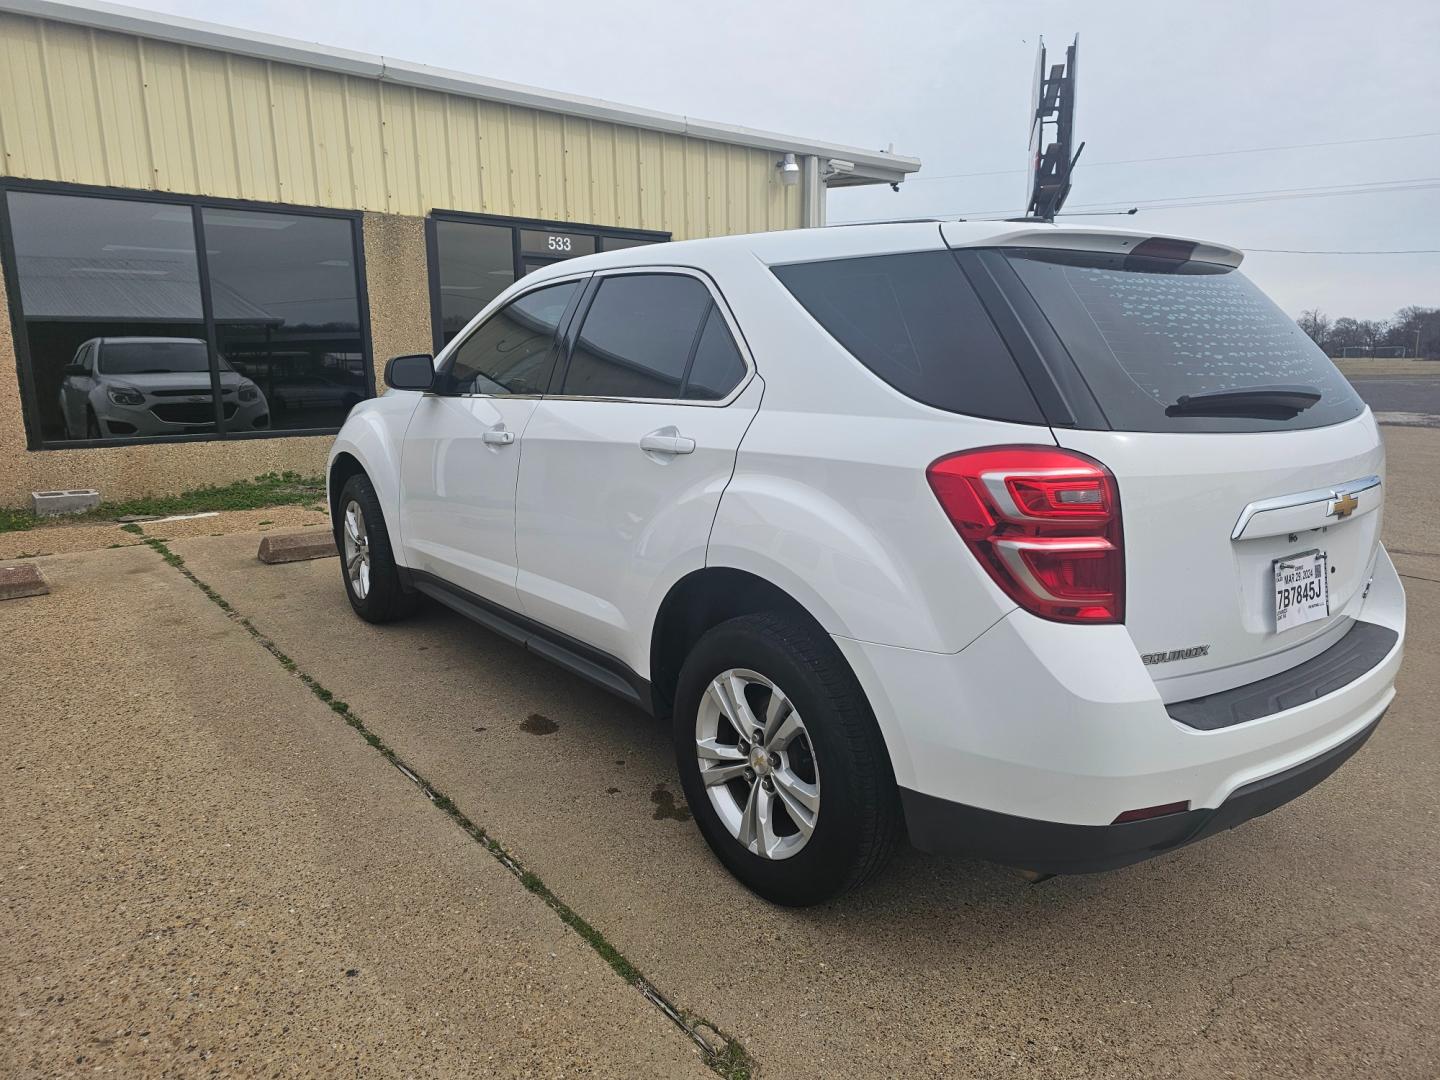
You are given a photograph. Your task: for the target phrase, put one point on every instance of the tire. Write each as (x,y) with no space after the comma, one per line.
(367,561)
(856,820)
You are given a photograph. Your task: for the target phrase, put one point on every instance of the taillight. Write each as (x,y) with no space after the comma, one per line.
(1045,524)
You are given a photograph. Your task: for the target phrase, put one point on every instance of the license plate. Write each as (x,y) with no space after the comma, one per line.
(1302,590)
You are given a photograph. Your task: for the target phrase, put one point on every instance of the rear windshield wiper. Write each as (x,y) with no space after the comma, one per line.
(1262,402)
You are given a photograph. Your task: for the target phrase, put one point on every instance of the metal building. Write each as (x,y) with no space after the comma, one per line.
(211,238)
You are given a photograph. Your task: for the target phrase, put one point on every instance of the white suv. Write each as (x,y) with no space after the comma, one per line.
(1055,546)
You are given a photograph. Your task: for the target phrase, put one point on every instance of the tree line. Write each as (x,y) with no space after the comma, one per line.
(1414,329)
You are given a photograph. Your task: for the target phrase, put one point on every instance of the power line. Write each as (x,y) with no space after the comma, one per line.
(1217,198)
(1187,157)
(1308,251)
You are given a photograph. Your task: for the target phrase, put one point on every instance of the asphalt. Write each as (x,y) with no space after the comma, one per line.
(1302,945)
(1410,402)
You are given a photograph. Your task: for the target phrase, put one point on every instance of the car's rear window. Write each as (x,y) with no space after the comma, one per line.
(914,321)
(1145,332)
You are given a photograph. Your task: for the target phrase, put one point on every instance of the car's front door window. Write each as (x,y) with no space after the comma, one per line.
(511,352)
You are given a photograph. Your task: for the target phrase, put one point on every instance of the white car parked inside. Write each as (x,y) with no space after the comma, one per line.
(1055,546)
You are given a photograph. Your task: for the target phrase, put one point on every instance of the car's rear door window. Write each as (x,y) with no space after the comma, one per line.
(914,320)
(718,367)
(1147,332)
(638,337)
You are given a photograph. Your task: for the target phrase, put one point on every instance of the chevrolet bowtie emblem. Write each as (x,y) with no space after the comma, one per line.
(1344,506)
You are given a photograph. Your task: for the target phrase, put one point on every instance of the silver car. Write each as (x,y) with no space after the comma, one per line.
(135,387)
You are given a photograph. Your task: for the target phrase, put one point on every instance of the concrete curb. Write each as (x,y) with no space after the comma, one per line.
(296,547)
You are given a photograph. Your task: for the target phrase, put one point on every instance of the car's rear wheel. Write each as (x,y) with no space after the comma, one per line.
(367,561)
(782,762)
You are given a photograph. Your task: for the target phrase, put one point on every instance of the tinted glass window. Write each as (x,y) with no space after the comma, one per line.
(119,269)
(637,337)
(476,264)
(1146,332)
(510,353)
(914,321)
(718,367)
(287,318)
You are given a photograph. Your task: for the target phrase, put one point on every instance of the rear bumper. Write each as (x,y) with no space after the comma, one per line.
(1049,847)
(1027,745)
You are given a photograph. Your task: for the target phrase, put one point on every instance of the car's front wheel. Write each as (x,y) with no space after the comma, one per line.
(367,561)
(782,762)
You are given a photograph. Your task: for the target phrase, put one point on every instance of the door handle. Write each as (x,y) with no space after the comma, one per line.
(498,436)
(667,440)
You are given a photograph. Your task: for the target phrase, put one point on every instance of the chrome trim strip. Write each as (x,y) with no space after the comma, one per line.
(1302,498)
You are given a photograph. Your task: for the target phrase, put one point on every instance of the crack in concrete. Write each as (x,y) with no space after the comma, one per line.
(722,1053)
(1294,941)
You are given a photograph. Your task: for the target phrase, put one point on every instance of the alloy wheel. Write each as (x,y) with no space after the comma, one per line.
(357,550)
(757,764)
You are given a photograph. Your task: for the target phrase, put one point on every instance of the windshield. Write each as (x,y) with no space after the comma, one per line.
(156,357)
(1146,333)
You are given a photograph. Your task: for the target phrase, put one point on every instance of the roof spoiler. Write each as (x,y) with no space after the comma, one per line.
(1108,241)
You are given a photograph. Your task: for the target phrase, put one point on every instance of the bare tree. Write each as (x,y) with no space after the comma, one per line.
(1346,334)
(1316,325)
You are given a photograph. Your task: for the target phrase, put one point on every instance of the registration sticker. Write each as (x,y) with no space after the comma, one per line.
(1302,590)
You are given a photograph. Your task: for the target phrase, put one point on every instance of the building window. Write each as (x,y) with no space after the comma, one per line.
(475,264)
(287,313)
(134,327)
(473,259)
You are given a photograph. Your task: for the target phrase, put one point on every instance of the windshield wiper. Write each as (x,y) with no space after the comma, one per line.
(1260,402)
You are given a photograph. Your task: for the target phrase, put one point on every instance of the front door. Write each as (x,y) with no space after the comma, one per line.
(75,391)
(462,448)
(622,470)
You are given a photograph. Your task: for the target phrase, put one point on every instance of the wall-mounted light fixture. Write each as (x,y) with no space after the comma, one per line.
(789,170)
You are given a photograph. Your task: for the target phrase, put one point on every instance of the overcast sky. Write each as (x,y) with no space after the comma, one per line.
(949,83)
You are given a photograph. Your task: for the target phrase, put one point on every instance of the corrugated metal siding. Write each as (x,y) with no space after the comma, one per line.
(94,107)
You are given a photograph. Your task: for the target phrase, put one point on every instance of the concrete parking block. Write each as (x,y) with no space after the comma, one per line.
(296,547)
(22,580)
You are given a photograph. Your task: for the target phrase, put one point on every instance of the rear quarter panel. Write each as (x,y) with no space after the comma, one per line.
(829,500)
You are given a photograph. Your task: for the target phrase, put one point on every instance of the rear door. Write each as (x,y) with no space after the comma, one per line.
(622,467)
(461,455)
(1215,490)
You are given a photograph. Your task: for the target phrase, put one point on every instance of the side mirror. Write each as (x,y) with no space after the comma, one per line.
(75,369)
(413,372)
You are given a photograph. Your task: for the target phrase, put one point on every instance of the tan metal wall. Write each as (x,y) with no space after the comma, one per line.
(96,107)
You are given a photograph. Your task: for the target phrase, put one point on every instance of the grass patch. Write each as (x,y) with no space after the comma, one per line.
(270,489)
(723,1054)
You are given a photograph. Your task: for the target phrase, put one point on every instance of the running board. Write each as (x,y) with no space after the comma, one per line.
(603,670)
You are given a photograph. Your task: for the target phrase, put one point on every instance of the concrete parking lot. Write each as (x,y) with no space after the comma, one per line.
(206,869)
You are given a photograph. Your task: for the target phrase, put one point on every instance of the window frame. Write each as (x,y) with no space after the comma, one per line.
(570,335)
(516,225)
(29,403)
